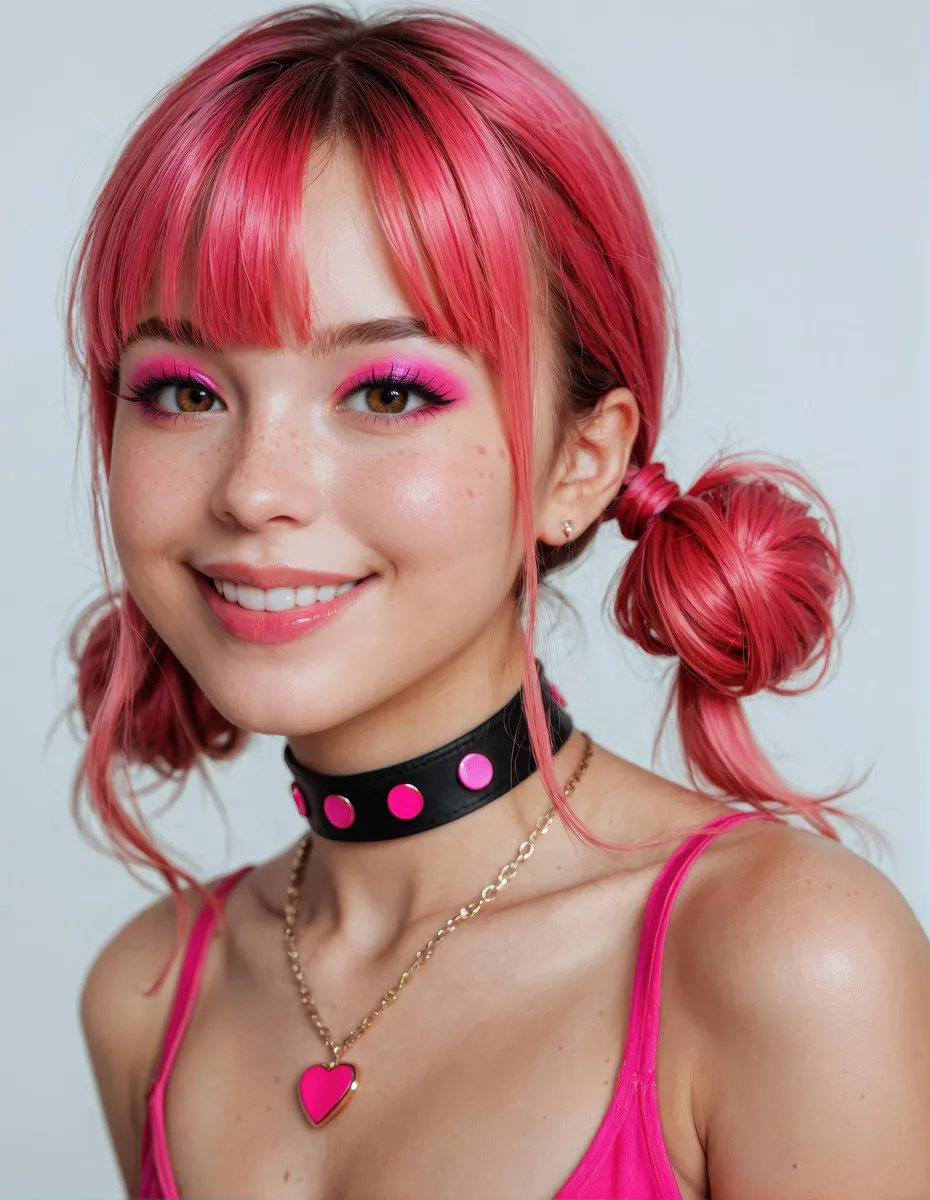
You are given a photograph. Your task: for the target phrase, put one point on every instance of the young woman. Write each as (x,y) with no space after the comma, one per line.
(375,329)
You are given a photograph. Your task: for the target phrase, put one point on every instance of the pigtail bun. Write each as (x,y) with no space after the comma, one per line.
(737,579)
(140,707)
(131,683)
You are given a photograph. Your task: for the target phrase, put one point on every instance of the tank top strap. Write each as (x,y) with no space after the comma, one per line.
(642,1038)
(185,996)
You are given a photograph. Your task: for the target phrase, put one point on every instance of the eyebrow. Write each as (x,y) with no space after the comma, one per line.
(326,341)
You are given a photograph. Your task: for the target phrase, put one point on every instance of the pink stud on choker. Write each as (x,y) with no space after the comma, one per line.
(299,799)
(405,801)
(339,811)
(475,771)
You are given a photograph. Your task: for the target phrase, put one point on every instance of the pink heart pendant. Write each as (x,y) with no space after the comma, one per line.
(323,1090)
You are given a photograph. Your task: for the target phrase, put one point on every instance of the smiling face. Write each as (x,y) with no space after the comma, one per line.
(375,454)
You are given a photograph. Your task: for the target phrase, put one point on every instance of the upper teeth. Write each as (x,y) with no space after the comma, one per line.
(279,599)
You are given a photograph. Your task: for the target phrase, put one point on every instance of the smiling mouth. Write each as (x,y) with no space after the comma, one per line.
(274,615)
(280,599)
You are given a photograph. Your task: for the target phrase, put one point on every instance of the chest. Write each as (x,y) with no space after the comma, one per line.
(488,1077)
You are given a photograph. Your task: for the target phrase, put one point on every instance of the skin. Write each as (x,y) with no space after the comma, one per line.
(794,1043)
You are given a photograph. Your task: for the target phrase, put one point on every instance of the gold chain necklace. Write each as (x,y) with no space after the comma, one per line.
(324,1088)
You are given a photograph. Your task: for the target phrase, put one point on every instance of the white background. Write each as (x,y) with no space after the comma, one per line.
(783,159)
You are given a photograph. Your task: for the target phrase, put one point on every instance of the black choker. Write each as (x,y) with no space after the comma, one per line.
(439,786)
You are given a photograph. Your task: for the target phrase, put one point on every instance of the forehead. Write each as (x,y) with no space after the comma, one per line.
(350,267)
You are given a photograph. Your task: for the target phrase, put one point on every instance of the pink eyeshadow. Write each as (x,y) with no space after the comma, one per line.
(419,371)
(169,364)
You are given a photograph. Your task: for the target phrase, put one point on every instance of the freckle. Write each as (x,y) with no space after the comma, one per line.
(501,452)
(287,1176)
(795,1166)
(481,450)
(277,1078)
(862,1095)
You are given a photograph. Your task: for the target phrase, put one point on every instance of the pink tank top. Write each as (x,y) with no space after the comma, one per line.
(626,1159)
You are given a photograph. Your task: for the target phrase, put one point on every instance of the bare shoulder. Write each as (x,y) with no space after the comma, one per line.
(780,902)
(808,978)
(123,1019)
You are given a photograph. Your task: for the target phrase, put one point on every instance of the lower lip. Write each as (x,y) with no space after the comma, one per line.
(274,628)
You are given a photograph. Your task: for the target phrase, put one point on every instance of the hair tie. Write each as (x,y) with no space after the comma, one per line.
(645,496)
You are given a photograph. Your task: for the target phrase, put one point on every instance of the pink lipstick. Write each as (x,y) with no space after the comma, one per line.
(273,605)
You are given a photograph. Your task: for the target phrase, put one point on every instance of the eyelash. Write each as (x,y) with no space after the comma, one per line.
(143,393)
(409,379)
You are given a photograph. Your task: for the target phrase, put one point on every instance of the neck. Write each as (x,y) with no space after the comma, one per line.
(372,891)
(428,712)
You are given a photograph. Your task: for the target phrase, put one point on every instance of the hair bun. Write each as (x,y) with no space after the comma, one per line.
(646,496)
(739,584)
(131,684)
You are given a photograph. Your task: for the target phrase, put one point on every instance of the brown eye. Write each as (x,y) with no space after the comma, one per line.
(193,399)
(389,399)
(186,397)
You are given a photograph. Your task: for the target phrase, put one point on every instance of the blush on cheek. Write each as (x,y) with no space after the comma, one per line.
(414,502)
(425,508)
(423,496)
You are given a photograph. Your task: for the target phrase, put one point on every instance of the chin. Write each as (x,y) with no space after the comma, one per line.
(287,699)
(272,716)
(277,690)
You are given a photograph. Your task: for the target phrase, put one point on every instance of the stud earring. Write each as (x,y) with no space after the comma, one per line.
(567,528)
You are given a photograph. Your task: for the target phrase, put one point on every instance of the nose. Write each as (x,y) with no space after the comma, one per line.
(270,477)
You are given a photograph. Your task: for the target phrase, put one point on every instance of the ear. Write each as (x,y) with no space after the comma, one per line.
(590,467)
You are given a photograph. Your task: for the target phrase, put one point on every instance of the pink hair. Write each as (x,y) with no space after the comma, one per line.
(490,177)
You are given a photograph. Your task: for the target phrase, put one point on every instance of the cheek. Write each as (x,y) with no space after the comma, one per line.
(450,504)
(151,493)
